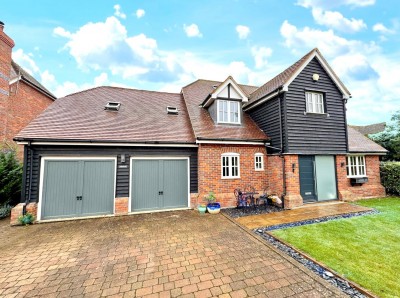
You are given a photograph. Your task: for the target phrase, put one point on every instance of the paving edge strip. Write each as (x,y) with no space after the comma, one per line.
(259,239)
(346,286)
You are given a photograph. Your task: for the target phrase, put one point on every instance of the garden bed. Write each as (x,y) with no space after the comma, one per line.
(247,211)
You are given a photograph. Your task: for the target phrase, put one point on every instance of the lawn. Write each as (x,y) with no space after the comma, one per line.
(364,249)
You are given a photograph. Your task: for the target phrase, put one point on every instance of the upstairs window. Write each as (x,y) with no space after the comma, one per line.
(230,167)
(228,112)
(356,166)
(259,161)
(315,102)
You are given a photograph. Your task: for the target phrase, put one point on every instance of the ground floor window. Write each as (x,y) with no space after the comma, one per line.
(230,165)
(356,166)
(259,162)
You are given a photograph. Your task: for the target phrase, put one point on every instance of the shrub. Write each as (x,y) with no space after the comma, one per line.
(5,211)
(26,219)
(390,176)
(10,178)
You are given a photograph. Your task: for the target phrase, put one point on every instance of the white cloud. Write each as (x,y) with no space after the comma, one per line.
(329,4)
(243,31)
(336,20)
(260,55)
(25,61)
(47,79)
(192,30)
(379,27)
(62,32)
(101,79)
(140,13)
(118,12)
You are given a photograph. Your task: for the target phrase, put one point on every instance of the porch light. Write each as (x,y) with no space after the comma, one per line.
(293,167)
(315,77)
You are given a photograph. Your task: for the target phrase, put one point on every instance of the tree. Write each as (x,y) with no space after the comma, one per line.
(390,138)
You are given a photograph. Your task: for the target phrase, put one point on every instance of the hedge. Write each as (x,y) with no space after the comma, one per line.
(10,179)
(390,176)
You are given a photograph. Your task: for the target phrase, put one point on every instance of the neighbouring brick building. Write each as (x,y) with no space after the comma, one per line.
(22,97)
(111,150)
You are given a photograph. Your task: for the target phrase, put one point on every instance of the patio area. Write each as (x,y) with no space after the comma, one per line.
(306,212)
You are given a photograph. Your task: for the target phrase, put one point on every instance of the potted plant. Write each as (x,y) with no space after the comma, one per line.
(212,206)
(26,219)
(202,208)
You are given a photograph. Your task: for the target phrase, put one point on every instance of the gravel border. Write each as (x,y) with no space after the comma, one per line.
(332,278)
(248,211)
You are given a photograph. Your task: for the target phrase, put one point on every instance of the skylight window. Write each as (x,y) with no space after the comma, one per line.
(112,106)
(172,110)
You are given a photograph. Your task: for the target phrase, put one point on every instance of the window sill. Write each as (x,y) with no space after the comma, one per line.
(363,176)
(317,114)
(258,170)
(230,178)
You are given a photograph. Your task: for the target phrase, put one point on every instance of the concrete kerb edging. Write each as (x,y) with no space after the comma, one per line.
(314,276)
(326,268)
(284,256)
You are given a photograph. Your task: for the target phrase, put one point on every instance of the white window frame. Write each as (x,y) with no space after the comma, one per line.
(359,166)
(230,157)
(228,105)
(315,102)
(259,165)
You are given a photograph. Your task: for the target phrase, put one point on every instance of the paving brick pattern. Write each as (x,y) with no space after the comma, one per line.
(170,254)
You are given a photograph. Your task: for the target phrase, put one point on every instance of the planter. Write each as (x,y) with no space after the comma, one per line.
(202,209)
(213,208)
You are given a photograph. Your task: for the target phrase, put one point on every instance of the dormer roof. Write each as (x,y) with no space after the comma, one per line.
(227,89)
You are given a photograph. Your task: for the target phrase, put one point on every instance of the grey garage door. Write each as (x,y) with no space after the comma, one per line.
(73,188)
(159,184)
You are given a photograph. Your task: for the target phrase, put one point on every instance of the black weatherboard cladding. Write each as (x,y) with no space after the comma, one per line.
(313,133)
(122,187)
(266,115)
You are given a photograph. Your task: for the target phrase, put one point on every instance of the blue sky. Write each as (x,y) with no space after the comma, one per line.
(164,45)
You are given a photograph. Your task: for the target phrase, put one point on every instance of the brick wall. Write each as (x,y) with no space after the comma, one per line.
(209,162)
(373,188)
(6,45)
(274,175)
(121,206)
(25,103)
(293,197)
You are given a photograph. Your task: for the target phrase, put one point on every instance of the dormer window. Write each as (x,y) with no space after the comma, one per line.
(228,112)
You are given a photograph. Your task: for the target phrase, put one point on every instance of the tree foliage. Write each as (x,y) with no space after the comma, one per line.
(10,178)
(390,138)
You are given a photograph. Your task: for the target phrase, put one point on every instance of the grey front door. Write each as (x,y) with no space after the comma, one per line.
(73,188)
(307,178)
(159,184)
(317,178)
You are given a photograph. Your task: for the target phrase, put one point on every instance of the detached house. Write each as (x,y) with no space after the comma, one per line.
(109,151)
(22,97)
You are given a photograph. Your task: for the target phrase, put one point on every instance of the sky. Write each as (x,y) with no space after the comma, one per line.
(164,45)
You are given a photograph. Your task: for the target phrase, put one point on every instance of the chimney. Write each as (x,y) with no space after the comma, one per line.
(6,45)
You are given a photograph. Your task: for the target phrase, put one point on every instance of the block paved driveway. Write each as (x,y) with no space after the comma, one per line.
(166,254)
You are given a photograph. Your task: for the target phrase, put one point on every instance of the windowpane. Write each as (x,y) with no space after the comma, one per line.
(314,102)
(230,166)
(356,166)
(234,112)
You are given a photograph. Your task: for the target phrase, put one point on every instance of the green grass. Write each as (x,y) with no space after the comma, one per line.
(364,249)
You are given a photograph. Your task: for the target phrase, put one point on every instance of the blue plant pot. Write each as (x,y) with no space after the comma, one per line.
(213,208)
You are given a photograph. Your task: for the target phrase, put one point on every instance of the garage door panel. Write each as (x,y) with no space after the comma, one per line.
(65,180)
(60,189)
(159,184)
(98,188)
(145,183)
(175,184)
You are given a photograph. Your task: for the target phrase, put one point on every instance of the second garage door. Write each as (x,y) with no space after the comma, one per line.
(74,188)
(158,184)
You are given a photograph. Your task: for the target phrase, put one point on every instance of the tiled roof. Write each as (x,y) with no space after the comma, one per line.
(17,70)
(142,117)
(370,129)
(358,143)
(204,126)
(285,76)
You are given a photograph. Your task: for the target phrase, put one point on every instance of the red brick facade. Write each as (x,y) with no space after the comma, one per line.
(373,188)
(19,103)
(17,212)
(209,163)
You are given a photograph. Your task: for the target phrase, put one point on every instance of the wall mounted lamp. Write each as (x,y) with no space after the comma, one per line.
(293,167)
(122,158)
(342,164)
(315,77)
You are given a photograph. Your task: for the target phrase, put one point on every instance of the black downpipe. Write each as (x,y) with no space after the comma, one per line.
(281,153)
(28,199)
